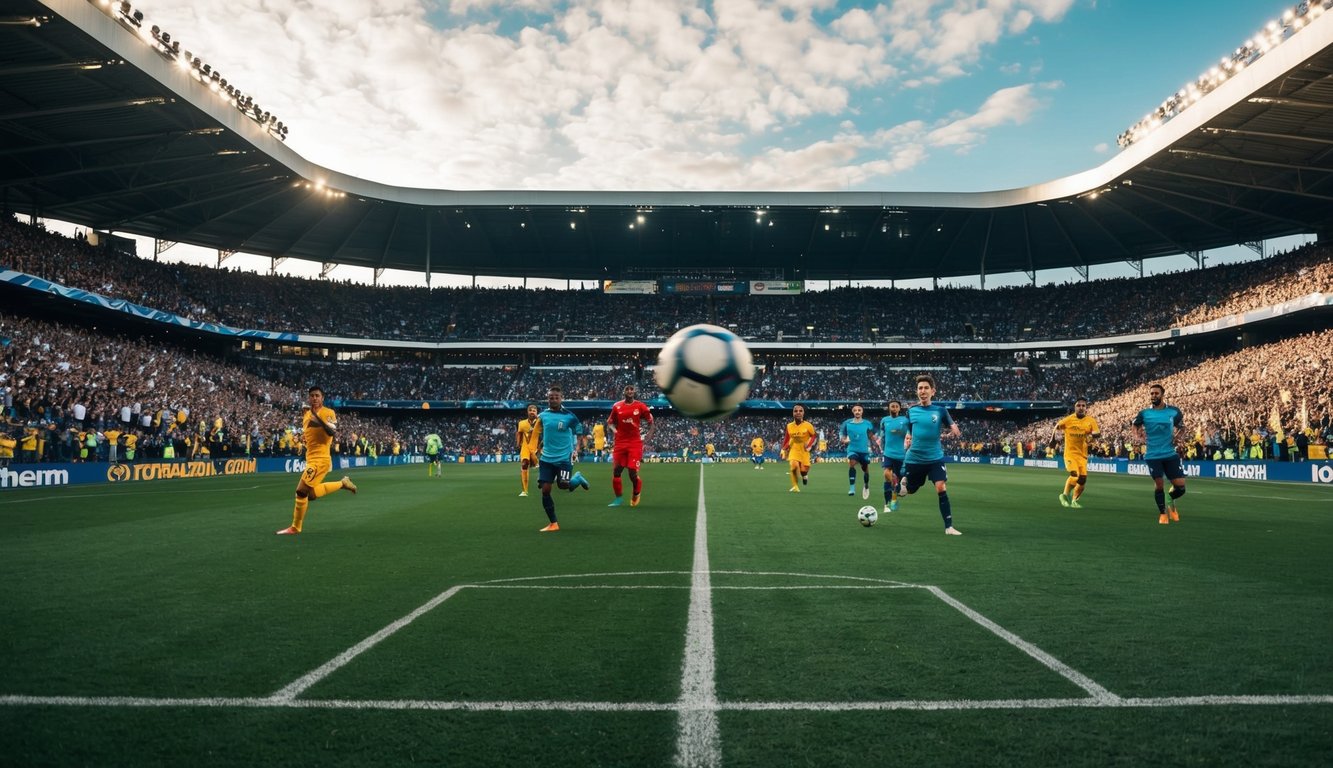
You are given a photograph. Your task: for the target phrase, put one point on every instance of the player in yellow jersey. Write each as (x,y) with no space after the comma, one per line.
(796,444)
(529,438)
(318,426)
(1078,428)
(598,442)
(757,452)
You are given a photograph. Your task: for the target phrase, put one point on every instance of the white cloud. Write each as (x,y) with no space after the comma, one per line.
(1102,148)
(608,94)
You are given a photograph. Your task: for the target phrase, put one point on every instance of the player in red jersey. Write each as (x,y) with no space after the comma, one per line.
(627,417)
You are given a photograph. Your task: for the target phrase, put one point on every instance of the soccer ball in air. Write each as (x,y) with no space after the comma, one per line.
(705,371)
(867,515)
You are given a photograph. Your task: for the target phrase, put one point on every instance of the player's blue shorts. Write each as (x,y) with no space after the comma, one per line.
(554,472)
(1169,467)
(896,465)
(433,458)
(917,474)
(858,457)
(757,458)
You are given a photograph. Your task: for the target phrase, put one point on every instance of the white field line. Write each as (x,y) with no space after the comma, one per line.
(140,702)
(698,743)
(687,586)
(299,686)
(1097,692)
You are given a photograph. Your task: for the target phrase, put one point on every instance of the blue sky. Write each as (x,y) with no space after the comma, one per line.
(910,95)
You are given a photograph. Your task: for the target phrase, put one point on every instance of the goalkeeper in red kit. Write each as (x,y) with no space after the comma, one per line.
(627,418)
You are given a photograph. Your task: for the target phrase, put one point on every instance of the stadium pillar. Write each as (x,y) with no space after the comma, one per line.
(1197,256)
(428,229)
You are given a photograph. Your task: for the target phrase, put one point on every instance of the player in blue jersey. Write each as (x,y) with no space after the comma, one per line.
(858,435)
(925,456)
(892,432)
(1158,425)
(561,438)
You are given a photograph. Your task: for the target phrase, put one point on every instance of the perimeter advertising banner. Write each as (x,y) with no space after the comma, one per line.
(776,287)
(1317,472)
(724,287)
(629,286)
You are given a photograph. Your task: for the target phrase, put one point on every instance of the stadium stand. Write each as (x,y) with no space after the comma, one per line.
(1070,311)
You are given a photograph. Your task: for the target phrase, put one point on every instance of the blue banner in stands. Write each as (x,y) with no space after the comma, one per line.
(120,305)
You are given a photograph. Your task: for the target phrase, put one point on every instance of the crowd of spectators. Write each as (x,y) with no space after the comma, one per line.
(1258,396)
(70,394)
(778,378)
(69,385)
(281,303)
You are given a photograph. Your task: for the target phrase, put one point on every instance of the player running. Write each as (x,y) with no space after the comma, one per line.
(561,433)
(1078,428)
(797,441)
(757,452)
(627,417)
(893,430)
(434,445)
(529,435)
(858,435)
(1158,425)
(318,426)
(925,456)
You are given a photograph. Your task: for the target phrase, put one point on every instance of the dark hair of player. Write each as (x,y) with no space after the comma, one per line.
(320,390)
(926,377)
(1157,387)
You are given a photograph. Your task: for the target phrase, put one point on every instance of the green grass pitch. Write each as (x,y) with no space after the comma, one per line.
(426,621)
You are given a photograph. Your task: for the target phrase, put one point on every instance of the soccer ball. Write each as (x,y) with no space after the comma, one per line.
(705,371)
(867,515)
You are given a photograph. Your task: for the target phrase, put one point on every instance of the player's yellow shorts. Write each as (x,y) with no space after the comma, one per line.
(529,456)
(1076,465)
(315,471)
(800,463)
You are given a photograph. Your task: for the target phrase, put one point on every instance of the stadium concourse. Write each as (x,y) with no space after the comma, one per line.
(68,372)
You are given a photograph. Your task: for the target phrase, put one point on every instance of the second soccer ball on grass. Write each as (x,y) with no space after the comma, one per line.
(705,371)
(867,515)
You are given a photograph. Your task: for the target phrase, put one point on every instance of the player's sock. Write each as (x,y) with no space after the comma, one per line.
(1069,484)
(638,485)
(795,477)
(323,489)
(1160,496)
(888,492)
(618,486)
(298,513)
(1078,491)
(548,504)
(946,509)
(1177,491)
(865,479)
(523,473)
(851,476)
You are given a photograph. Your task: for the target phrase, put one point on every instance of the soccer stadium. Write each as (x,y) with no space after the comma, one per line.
(918,520)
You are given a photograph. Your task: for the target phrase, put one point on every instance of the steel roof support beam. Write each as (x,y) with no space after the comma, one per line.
(120,193)
(113,167)
(273,264)
(1217,203)
(95,106)
(1258,247)
(223,255)
(229,192)
(1130,213)
(1242,185)
(1267,135)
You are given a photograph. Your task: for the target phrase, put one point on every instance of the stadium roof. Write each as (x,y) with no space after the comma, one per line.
(100,128)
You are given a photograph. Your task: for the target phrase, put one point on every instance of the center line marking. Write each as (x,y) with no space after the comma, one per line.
(698,744)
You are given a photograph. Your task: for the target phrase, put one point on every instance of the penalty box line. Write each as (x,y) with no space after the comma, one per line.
(699,635)
(926,705)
